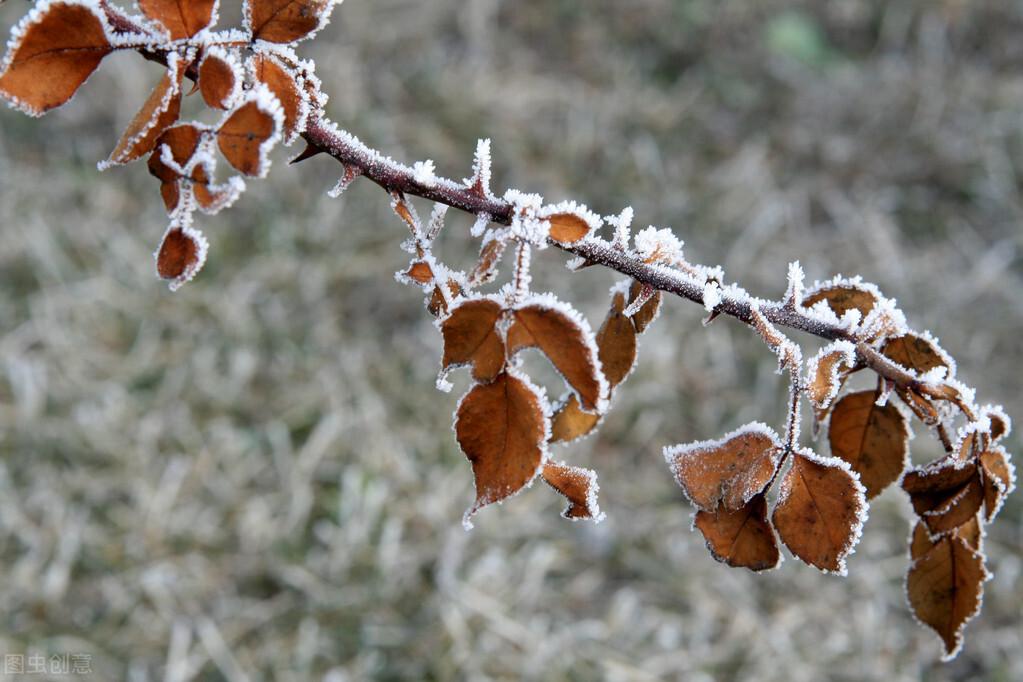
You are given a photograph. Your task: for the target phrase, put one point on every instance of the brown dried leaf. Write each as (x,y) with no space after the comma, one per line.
(285,21)
(51,54)
(181,255)
(437,304)
(648,312)
(570,422)
(490,256)
(183,141)
(820,511)
(616,343)
(502,429)
(420,272)
(743,537)
(917,353)
(944,587)
(182,18)
(282,83)
(566,343)
(243,138)
(842,298)
(578,486)
(827,372)
(871,438)
(945,494)
(218,81)
(568,228)
(999,479)
(471,337)
(159,112)
(730,471)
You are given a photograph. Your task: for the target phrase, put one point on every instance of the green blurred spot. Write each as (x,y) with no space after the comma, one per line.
(796,35)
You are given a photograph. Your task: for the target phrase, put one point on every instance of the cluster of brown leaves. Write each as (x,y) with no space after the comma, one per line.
(251,74)
(822,501)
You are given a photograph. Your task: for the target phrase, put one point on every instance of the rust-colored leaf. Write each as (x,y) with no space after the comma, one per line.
(502,429)
(827,371)
(820,511)
(647,312)
(741,538)
(616,343)
(566,342)
(245,136)
(486,267)
(916,353)
(944,587)
(999,479)
(945,494)
(999,423)
(578,486)
(182,18)
(570,422)
(183,141)
(218,80)
(420,272)
(159,112)
(437,303)
(285,86)
(568,228)
(843,297)
(52,53)
(285,21)
(181,255)
(729,471)
(871,438)
(471,338)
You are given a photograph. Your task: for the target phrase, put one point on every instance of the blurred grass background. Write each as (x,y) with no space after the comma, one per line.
(254,478)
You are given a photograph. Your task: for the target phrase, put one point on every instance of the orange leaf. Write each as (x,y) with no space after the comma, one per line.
(826,372)
(212,198)
(219,78)
(741,538)
(570,422)
(568,228)
(285,86)
(566,340)
(842,296)
(616,343)
(182,18)
(944,587)
(647,312)
(158,113)
(52,52)
(727,472)
(945,494)
(420,272)
(820,512)
(917,353)
(181,255)
(578,486)
(872,438)
(471,337)
(502,429)
(490,257)
(285,21)
(247,134)
(999,479)
(183,141)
